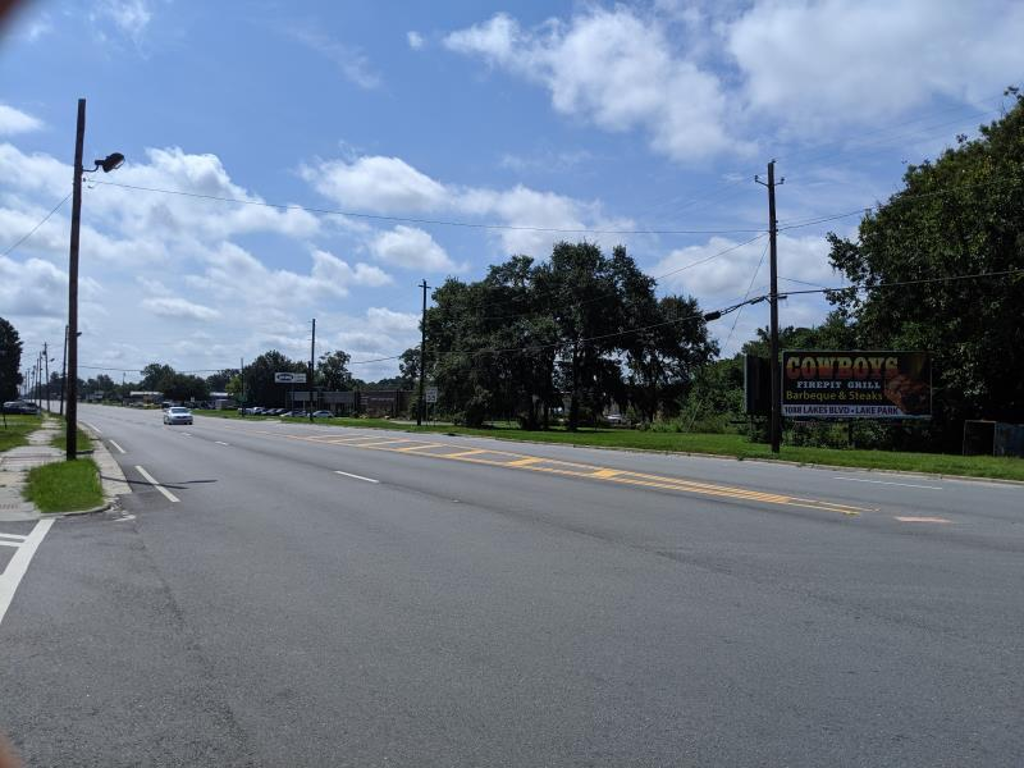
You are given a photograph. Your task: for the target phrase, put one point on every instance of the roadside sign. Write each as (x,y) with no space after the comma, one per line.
(856,384)
(430,395)
(289,378)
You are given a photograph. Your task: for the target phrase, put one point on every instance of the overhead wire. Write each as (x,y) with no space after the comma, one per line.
(40,223)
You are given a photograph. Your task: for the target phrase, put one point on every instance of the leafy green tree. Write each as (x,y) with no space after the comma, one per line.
(962,214)
(10,361)
(332,371)
(260,388)
(218,382)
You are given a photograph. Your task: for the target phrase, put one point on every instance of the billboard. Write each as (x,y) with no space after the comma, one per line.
(856,384)
(286,377)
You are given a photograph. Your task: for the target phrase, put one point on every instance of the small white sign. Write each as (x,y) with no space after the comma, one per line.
(430,395)
(289,378)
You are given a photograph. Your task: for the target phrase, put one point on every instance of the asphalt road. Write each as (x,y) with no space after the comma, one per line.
(464,602)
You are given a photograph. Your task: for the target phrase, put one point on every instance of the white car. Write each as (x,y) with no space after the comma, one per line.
(177,415)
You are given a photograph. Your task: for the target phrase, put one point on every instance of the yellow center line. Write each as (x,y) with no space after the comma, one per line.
(573,469)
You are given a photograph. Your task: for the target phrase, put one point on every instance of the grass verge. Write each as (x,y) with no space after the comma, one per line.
(737,446)
(18,429)
(65,486)
(60,440)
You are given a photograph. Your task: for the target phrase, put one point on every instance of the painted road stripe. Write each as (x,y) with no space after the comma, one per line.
(118,447)
(11,577)
(221,442)
(923,519)
(887,482)
(357,477)
(5,543)
(93,427)
(15,536)
(152,481)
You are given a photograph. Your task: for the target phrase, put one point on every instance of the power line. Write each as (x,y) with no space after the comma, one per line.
(34,229)
(434,222)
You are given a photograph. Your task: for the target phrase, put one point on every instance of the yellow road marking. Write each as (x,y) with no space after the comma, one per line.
(586,471)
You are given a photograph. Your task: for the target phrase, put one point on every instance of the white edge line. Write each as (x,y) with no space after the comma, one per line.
(221,442)
(93,427)
(357,477)
(889,482)
(152,480)
(18,564)
(6,543)
(122,450)
(15,536)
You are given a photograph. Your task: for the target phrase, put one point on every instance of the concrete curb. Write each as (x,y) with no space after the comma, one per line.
(111,475)
(75,512)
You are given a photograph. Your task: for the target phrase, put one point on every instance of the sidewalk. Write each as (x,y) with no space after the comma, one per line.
(14,467)
(15,464)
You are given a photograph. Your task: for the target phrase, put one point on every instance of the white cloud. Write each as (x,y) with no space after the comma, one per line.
(130,16)
(354,65)
(15,121)
(415,39)
(389,185)
(832,63)
(374,183)
(616,69)
(32,288)
(411,248)
(179,308)
(726,276)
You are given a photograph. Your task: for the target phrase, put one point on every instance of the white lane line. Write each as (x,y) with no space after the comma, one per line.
(11,577)
(15,536)
(152,480)
(888,482)
(186,434)
(93,427)
(357,477)
(5,543)
(119,448)
(905,519)
(221,442)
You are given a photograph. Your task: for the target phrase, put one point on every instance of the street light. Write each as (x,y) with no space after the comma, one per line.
(109,163)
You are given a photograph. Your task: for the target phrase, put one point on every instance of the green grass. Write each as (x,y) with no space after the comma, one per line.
(65,486)
(60,440)
(737,446)
(18,429)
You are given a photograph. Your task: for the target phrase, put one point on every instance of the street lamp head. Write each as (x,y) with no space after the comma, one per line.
(111,162)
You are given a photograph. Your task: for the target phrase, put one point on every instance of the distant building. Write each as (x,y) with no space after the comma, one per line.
(145,398)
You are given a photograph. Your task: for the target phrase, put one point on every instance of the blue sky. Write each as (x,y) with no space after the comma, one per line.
(610,118)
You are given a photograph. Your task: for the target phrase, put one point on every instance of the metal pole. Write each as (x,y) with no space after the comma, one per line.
(76,220)
(423,354)
(776,420)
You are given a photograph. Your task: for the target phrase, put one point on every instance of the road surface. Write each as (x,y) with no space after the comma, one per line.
(286,594)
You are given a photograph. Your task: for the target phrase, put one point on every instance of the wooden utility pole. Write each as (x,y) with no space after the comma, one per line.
(312,356)
(46,369)
(76,221)
(775,426)
(64,371)
(423,356)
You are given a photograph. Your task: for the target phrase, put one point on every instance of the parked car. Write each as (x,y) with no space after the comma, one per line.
(322,414)
(177,415)
(21,406)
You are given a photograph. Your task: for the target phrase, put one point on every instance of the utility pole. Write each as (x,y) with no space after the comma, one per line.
(312,357)
(776,376)
(76,221)
(64,371)
(46,368)
(423,355)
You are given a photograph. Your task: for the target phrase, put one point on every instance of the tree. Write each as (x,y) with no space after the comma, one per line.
(218,382)
(10,361)
(332,371)
(962,214)
(260,388)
